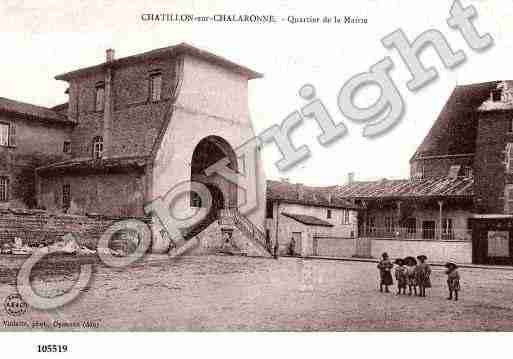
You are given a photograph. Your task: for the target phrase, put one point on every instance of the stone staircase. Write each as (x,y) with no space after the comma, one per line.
(206,237)
(252,233)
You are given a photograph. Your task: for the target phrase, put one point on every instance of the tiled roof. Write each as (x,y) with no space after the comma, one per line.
(88,164)
(408,188)
(454,131)
(182,48)
(308,195)
(308,220)
(32,111)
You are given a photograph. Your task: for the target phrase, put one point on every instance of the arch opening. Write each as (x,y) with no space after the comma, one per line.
(206,153)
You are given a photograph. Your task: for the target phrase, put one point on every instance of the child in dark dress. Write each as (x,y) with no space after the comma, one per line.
(385,273)
(423,272)
(411,264)
(453,280)
(400,276)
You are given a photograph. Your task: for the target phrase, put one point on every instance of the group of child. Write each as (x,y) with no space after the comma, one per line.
(412,274)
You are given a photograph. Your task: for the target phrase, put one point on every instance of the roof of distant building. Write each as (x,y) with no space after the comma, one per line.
(30,111)
(287,192)
(308,220)
(455,130)
(182,48)
(95,165)
(409,188)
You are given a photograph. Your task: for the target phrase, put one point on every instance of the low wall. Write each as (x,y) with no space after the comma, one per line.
(37,227)
(436,251)
(334,246)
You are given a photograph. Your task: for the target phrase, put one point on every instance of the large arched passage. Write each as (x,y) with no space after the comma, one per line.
(207,152)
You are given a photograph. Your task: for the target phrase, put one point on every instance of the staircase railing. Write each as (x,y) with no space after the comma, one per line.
(245,225)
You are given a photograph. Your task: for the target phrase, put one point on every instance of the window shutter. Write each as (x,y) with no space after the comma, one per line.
(12,135)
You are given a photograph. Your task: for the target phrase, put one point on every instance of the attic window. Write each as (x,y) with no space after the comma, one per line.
(100,97)
(155,86)
(4,134)
(496,95)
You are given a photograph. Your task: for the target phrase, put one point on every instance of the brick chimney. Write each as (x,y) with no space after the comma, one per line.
(107,110)
(350,178)
(110,55)
(300,191)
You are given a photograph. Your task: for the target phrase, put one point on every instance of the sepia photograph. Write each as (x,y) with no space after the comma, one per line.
(286,168)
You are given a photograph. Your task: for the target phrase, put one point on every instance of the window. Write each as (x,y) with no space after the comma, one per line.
(509,157)
(328,214)
(269,209)
(66,147)
(97,147)
(66,196)
(345,216)
(4,189)
(371,225)
(155,86)
(428,229)
(195,199)
(466,171)
(389,224)
(508,199)
(100,97)
(447,232)
(411,226)
(496,95)
(4,134)
(510,126)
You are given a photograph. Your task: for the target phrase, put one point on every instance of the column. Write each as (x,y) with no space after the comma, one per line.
(440,217)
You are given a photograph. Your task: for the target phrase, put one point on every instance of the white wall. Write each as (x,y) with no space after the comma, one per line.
(212,101)
(436,251)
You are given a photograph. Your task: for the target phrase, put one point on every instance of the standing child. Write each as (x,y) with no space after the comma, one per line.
(411,278)
(400,276)
(385,273)
(423,271)
(453,280)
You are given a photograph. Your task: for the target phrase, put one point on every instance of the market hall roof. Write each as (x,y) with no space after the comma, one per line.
(283,191)
(170,51)
(29,111)
(308,220)
(435,187)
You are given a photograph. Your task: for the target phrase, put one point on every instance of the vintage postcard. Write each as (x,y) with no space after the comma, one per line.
(186,166)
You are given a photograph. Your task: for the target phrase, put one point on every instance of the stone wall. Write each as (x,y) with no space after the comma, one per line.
(36,227)
(113,194)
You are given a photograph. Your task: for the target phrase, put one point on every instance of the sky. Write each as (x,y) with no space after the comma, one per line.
(41,39)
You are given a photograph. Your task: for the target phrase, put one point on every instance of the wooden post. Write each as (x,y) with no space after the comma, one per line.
(398,230)
(440,217)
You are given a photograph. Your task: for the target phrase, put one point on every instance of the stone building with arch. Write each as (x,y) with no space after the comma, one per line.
(137,126)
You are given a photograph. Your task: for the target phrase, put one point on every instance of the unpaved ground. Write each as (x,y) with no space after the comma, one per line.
(237,293)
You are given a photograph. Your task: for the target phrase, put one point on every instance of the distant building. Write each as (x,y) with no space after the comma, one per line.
(313,219)
(458,203)
(133,128)
(30,136)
